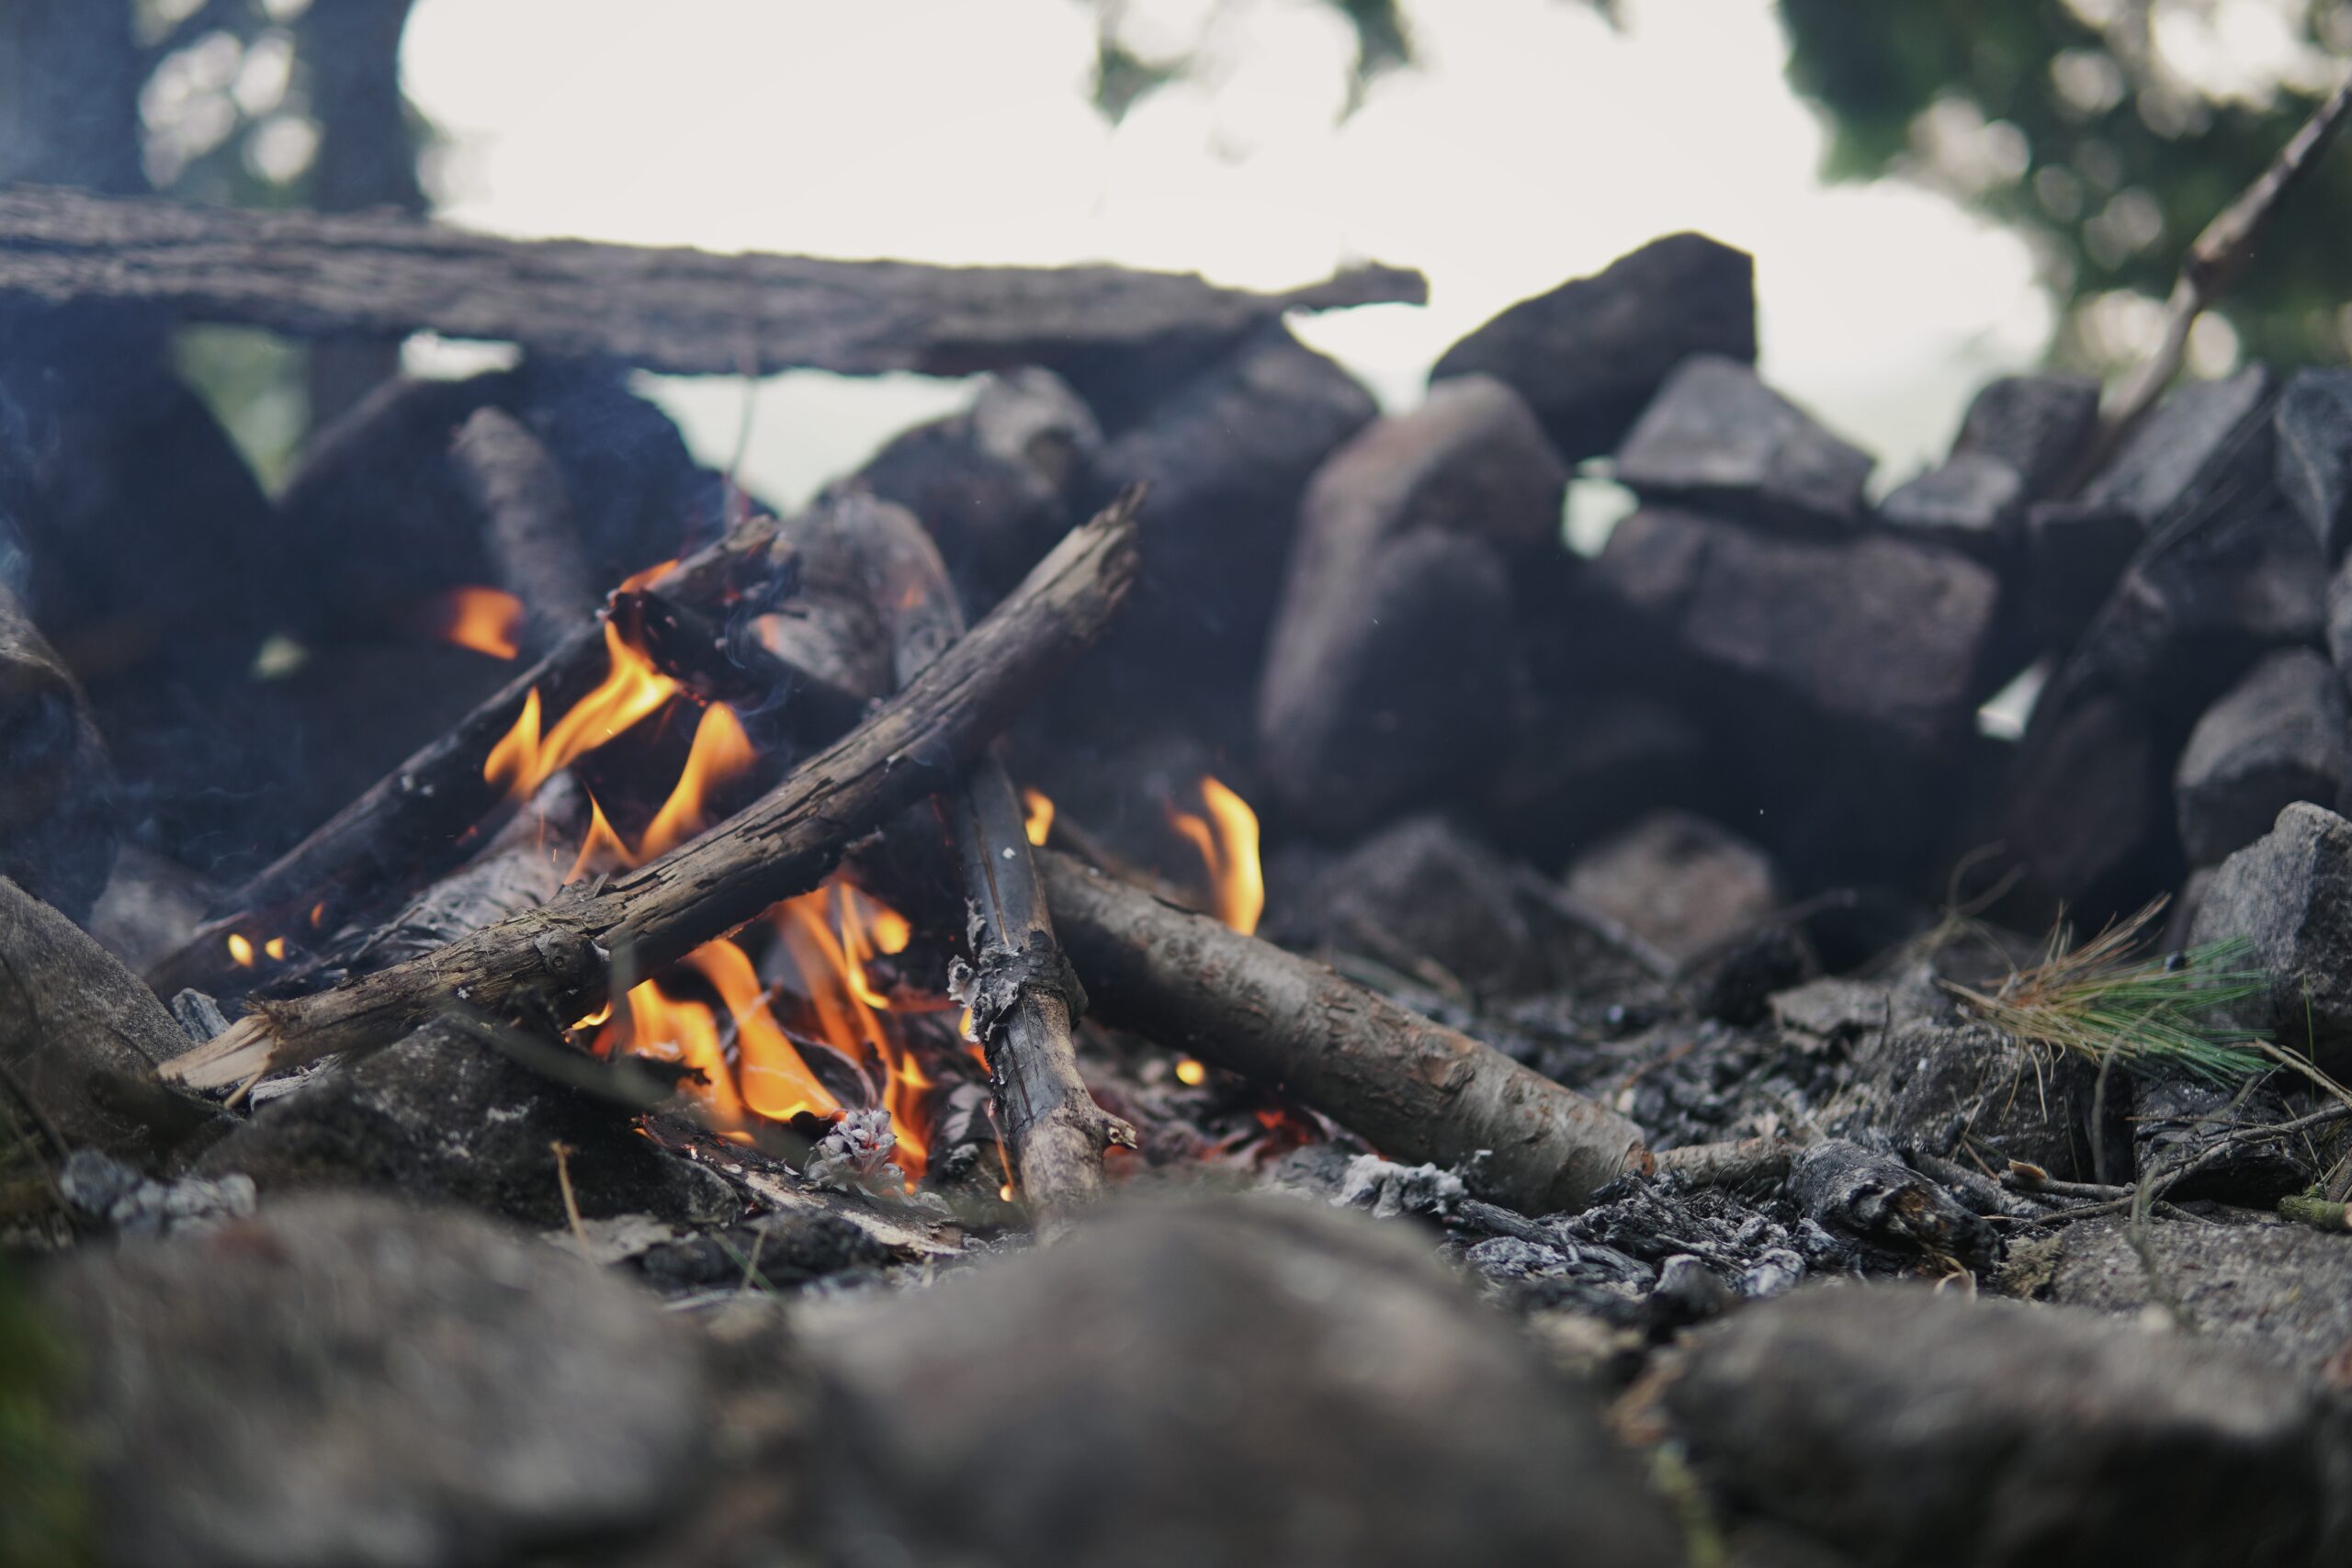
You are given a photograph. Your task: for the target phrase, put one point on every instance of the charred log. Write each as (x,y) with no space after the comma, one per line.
(528,528)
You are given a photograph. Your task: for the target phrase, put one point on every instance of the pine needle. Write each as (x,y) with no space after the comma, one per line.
(2109,1000)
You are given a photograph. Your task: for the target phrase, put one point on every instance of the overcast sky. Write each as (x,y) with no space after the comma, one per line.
(1532,144)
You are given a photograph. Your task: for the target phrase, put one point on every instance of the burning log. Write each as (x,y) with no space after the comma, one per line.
(559,961)
(375,275)
(420,816)
(530,532)
(56,832)
(1417,1090)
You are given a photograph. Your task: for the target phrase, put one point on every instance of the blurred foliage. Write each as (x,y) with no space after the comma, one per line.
(44,1513)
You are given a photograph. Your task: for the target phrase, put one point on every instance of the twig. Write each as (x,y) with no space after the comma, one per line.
(563,1153)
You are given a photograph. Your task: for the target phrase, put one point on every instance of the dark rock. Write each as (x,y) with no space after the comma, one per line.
(2289,892)
(2337,615)
(347,1381)
(1588,356)
(1379,724)
(150,905)
(1682,884)
(1974,1094)
(2074,553)
(1717,437)
(777,1252)
(2162,460)
(2315,422)
(1214,1385)
(2088,813)
(993,484)
(1735,980)
(442,1115)
(2277,737)
(1422,888)
(2179,1121)
(58,816)
(2021,437)
(1918,1429)
(2280,1290)
(1585,765)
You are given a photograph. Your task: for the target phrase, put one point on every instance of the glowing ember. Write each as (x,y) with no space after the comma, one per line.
(488,620)
(241,950)
(1228,839)
(1191,1073)
(275,947)
(631,690)
(1038,816)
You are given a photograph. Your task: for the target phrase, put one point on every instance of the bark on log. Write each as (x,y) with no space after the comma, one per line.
(57,833)
(311,275)
(419,818)
(558,961)
(1416,1089)
(527,525)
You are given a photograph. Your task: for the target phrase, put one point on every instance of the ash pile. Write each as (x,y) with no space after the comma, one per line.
(1166,972)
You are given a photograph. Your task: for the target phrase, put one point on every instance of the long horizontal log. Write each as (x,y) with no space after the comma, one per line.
(1415,1088)
(560,959)
(375,275)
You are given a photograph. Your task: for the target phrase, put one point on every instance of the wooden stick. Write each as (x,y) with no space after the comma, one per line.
(528,528)
(557,959)
(1415,1088)
(378,275)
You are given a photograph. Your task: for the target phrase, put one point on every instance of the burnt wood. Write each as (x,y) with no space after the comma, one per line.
(372,275)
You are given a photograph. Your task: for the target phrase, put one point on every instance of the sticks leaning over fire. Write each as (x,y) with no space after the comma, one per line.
(417,818)
(1415,1088)
(556,962)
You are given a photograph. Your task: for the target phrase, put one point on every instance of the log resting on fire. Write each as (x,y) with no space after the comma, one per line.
(558,962)
(418,819)
(1416,1089)
(1023,995)
(362,275)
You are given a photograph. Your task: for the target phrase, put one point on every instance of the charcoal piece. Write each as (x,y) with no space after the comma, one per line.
(2020,437)
(1423,889)
(1218,1380)
(1735,979)
(2178,1122)
(1918,1430)
(81,1036)
(1585,765)
(1684,884)
(1718,438)
(1376,724)
(1590,354)
(777,1252)
(1870,1195)
(102,1191)
(1975,1096)
(2074,552)
(2278,736)
(443,1115)
(2162,460)
(57,813)
(2257,1283)
(2315,422)
(995,483)
(343,1380)
(2290,894)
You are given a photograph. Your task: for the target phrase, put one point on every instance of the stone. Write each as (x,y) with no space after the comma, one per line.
(1588,356)
(994,483)
(2338,622)
(1384,721)
(1718,438)
(2178,1120)
(1680,883)
(2315,424)
(2277,737)
(2021,437)
(2162,459)
(1971,1094)
(1424,889)
(1214,1384)
(2290,894)
(2074,553)
(443,1116)
(1918,1430)
(2088,813)
(346,1380)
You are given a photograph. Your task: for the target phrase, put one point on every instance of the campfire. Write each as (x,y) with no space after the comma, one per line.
(561,1012)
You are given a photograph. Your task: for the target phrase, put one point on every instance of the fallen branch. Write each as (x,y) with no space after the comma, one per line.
(556,961)
(375,274)
(1416,1089)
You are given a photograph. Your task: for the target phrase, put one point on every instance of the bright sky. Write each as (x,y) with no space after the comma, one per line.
(1534,144)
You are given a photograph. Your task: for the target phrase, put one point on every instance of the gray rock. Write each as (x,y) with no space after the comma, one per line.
(1586,763)
(2177,1120)
(102,1190)
(2338,618)
(1422,888)
(2074,553)
(1682,884)
(1588,356)
(2089,814)
(345,1381)
(2277,737)
(2289,892)
(2314,423)
(1917,1429)
(2021,435)
(1717,437)
(1971,1091)
(1214,1384)
(2157,467)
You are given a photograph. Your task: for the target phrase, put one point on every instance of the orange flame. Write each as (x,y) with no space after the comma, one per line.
(631,690)
(721,752)
(1228,839)
(686,1033)
(1038,816)
(488,620)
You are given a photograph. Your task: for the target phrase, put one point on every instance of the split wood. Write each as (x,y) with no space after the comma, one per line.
(557,961)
